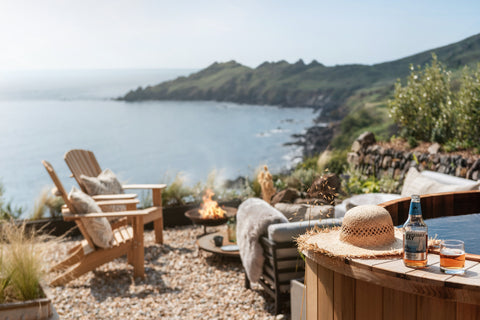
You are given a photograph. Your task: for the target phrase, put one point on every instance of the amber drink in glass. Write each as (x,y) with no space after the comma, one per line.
(452,256)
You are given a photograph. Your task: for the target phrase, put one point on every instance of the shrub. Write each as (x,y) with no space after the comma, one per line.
(337,161)
(175,192)
(388,184)
(423,108)
(308,163)
(356,182)
(47,201)
(428,108)
(7,210)
(302,178)
(469,109)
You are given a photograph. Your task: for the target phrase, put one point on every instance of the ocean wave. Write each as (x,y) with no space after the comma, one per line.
(272,132)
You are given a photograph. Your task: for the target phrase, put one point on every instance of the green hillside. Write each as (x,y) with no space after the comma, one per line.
(337,90)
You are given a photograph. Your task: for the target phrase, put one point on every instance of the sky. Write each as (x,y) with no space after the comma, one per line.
(106,34)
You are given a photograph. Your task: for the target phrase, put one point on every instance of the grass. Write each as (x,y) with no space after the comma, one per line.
(7,210)
(22,263)
(46,201)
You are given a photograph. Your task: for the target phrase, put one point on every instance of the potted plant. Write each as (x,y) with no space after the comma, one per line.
(22,268)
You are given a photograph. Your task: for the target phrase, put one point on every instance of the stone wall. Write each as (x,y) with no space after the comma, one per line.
(373,158)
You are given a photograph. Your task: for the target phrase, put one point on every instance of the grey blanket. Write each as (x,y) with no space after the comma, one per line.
(253,218)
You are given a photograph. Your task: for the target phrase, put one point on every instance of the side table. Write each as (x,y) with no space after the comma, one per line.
(206,243)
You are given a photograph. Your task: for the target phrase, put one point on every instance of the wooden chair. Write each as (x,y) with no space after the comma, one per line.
(84,162)
(128,237)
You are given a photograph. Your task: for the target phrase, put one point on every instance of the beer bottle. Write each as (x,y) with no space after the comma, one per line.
(415,237)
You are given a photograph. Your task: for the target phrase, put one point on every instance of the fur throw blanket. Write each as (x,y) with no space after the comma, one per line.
(253,218)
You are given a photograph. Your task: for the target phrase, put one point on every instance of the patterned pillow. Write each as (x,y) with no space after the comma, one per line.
(98,229)
(416,183)
(105,183)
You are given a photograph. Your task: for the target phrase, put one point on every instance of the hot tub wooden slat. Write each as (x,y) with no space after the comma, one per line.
(395,267)
(430,275)
(467,311)
(395,305)
(370,262)
(434,308)
(368,302)
(344,297)
(471,279)
(311,290)
(325,292)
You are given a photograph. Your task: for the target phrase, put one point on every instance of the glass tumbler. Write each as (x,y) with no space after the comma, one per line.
(452,256)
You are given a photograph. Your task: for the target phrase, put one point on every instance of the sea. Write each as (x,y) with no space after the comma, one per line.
(43,114)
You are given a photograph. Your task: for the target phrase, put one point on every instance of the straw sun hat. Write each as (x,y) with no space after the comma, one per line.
(366,231)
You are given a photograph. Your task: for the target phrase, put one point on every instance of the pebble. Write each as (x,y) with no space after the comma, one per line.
(181,282)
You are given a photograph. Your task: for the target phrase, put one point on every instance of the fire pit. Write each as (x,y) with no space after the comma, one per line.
(209,213)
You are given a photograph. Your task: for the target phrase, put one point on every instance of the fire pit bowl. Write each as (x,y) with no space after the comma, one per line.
(196,218)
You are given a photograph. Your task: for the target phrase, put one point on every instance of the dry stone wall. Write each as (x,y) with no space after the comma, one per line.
(372,158)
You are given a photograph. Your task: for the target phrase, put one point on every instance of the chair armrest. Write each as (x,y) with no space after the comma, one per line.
(117,202)
(67,216)
(144,186)
(102,197)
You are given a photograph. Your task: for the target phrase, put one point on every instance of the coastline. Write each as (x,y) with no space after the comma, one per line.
(315,140)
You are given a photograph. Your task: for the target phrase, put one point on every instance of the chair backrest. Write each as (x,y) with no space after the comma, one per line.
(82,162)
(64,196)
(58,185)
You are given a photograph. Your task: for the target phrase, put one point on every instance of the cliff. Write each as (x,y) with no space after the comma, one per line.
(299,84)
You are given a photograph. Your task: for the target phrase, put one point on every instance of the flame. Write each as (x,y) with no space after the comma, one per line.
(209,208)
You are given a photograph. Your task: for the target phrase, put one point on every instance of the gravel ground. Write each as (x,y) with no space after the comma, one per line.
(181,282)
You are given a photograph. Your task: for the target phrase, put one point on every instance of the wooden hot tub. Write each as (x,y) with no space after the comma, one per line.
(386,289)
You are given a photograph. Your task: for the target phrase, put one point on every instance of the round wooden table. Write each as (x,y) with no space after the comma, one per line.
(343,288)
(206,243)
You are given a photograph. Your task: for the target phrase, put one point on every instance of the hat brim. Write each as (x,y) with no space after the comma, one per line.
(327,241)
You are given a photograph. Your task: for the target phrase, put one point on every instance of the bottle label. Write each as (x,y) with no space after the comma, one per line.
(415,245)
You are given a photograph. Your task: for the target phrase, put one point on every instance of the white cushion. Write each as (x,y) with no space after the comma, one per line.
(305,212)
(369,198)
(447,178)
(98,229)
(416,183)
(286,232)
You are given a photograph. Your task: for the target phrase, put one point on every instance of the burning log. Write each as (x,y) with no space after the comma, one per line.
(209,209)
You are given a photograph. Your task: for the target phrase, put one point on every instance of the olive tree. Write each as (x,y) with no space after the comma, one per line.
(468,106)
(423,108)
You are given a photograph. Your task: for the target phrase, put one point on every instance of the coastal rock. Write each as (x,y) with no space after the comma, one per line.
(315,140)
(356,146)
(434,148)
(366,139)
(475,167)
(354,158)
(379,160)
